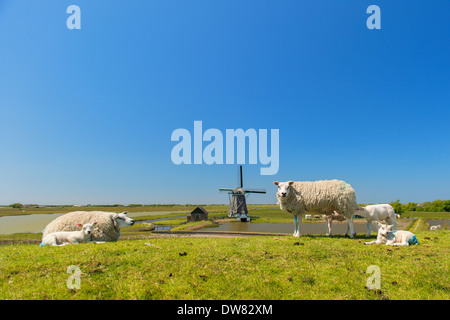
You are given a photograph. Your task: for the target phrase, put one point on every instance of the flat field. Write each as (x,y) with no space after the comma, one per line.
(271,267)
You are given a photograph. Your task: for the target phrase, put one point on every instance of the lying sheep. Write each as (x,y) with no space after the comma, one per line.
(323,197)
(377,212)
(434,228)
(108,228)
(69,237)
(393,238)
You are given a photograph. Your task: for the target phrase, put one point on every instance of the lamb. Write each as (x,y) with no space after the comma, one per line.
(393,238)
(108,229)
(434,228)
(329,219)
(378,212)
(323,197)
(67,237)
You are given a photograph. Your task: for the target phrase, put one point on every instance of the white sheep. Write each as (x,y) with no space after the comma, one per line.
(393,238)
(69,237)
(333,217)
(108,228)
(323,197)
(377,212)
(434,228)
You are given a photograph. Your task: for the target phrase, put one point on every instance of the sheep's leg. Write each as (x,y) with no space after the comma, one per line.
(404,243)
(368,228)
(328,224)
(350,227)
(297,223)
(373,242)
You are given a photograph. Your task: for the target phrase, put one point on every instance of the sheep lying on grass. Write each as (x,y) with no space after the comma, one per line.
(393,238)
(434,228)
(108,228)
(323,197)
(69,237)
(378,212)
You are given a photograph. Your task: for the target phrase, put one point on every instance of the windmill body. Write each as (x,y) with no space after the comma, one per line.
(237,197)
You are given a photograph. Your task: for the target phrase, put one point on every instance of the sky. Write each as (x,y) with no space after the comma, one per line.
(86,116)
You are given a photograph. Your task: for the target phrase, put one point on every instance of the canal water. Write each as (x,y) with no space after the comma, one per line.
(35,223)
(306,228)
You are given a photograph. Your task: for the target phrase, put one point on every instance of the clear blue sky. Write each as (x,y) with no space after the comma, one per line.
(86,115)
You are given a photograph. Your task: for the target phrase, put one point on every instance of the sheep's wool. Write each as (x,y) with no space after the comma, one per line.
(322,197)
(106,229)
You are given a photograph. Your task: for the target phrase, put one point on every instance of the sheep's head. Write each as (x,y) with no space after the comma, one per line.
(121,220)
(384,229)
(283,188)
(87,228)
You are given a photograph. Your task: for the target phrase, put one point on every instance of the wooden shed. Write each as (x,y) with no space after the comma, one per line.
(198,214)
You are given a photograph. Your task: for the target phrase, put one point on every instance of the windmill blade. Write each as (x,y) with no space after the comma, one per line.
(226,189)
(241,178)
(255,190)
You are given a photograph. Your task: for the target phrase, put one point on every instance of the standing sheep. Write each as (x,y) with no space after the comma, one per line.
(323,197)
(378,212)
(108,228)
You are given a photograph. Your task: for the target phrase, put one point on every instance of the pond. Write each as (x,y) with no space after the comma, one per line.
(35,223)
(306,228)
(435,222)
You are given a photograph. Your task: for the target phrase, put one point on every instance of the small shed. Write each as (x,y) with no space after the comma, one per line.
(198,214)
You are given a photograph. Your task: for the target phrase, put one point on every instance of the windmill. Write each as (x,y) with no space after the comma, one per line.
(237,197)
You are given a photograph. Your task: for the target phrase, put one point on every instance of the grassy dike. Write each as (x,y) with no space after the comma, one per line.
(309,267)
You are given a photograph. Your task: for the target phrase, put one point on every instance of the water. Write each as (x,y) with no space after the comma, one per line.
(306,228)
(435,222)
(35,223)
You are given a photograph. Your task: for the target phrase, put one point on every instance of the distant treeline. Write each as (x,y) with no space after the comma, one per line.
(428,206)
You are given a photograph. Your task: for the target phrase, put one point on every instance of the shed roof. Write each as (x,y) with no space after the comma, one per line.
(199,210)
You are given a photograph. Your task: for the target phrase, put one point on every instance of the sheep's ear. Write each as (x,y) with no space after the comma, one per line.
(125,212)
(114,221)
(276,183)
(291,183)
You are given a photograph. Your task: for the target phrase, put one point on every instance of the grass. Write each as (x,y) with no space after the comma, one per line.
(175,268)
(142,266)
(427,215)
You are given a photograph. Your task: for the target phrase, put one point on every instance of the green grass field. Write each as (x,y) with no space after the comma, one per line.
(144,266)
(309,267)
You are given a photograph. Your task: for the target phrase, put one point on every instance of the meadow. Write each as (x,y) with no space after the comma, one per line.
(149,265)
(184,268)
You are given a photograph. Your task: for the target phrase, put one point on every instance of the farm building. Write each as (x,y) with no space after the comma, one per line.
(198,214)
